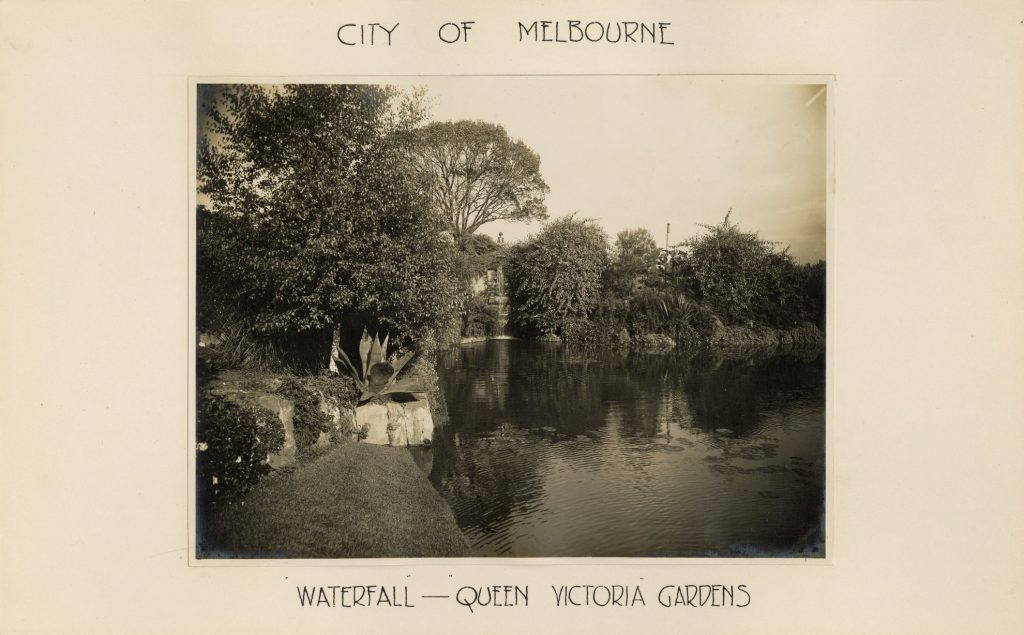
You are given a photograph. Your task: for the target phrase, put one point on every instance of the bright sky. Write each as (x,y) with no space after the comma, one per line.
(643,151)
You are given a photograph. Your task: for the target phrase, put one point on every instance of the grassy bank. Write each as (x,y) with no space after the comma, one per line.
(354,501)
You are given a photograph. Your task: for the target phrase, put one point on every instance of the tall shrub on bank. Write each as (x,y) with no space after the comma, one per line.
(555,277)
(313,218)
(741,278)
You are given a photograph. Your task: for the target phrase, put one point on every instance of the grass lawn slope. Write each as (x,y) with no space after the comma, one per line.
(356,501)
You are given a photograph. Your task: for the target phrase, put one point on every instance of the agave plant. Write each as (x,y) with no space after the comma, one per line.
(379,375)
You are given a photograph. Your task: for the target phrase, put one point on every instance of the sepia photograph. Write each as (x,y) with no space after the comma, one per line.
(511,316)
(350,317)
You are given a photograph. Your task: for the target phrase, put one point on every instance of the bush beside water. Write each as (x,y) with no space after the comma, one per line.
(722,287)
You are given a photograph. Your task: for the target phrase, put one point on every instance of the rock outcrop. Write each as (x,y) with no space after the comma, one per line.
(762,337)
(396,423)
(261,390)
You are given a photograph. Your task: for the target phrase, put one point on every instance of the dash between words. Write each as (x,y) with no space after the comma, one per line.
(585,595)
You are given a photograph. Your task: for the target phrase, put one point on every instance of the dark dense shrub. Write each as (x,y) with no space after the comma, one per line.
(813,292)
(234,442)
(313,215)
(584,332)
(481,318)
(740,278)
(721,277)
(237,345)
(654,311)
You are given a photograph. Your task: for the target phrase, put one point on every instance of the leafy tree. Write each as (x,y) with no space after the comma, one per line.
(555,277)
(635,256)
(313,219)
(474,174)
(479,253)
(740,277)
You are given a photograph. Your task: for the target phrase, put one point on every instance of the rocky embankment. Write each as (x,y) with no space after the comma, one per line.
(804,335)
(386,423)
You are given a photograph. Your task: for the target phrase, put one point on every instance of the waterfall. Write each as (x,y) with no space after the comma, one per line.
(501,300)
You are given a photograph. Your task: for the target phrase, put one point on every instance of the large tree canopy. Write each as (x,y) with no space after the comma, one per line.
(474,174)
(312,216)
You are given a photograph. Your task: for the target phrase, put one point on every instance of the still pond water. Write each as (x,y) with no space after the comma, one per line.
(552,452)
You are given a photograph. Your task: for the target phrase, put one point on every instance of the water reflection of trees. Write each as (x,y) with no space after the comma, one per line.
(543,385)
(501,397)
(643,387)
(475,384)
(733,393)
(572,390)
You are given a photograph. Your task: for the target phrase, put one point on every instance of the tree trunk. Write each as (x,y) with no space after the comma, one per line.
(335,348)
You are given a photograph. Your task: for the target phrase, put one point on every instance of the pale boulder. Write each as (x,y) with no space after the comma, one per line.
(373,417)
(285,411)
(396,423)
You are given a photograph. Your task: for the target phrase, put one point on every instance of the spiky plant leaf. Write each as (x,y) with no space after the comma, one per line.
(402,361)
(376,354)
(343,360)
(406,384)
(365,343)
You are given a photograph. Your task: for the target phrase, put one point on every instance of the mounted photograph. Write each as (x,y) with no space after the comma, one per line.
(510,316)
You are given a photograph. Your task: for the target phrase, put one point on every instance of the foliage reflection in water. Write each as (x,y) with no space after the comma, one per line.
(554,452)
